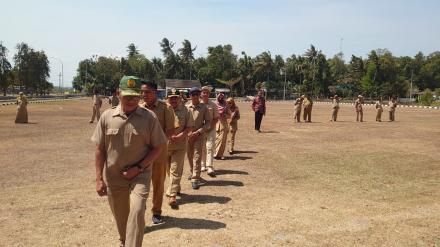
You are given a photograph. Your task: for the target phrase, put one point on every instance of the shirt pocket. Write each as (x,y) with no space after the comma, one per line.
(111,138)
(138,136)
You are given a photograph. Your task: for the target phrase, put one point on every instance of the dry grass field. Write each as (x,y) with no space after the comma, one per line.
(306,184)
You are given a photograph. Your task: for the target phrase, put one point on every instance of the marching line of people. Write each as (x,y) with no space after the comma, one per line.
(141,140)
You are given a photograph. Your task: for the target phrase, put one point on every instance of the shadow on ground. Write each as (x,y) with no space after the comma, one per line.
(185,223)
(245,152)
(225,172)
(221,183)
(237,157)
(202,199)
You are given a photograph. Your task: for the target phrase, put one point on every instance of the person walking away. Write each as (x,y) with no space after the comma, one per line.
(335,107)
(379,110)
(308,104)
(259,107)
(358,106)
(209,139)
(22,114)
(96,108)
(393,105)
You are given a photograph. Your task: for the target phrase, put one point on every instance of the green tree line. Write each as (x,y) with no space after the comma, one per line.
(380,74)
(29,73)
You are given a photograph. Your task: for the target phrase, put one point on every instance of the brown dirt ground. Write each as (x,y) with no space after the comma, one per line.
(317,184)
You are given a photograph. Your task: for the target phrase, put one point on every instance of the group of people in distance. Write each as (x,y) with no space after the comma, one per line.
(143,139)
(305,104)
(358,105)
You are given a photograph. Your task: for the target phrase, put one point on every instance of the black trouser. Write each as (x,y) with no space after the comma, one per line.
(258,119)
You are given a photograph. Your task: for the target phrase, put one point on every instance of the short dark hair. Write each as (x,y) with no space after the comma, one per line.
(149,83)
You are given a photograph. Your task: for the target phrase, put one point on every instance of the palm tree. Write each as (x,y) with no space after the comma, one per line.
(187,54)
(264,64)
(132,50)
(230,83)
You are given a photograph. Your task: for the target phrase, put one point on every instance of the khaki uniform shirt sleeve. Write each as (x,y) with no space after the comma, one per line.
(157,137)
(98,136)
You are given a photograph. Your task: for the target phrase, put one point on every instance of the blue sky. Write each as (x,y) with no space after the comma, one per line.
(75,30)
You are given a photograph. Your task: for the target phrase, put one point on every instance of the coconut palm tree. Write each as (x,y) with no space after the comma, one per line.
(187,55)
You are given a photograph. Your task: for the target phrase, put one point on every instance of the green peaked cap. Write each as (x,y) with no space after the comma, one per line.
(130,86)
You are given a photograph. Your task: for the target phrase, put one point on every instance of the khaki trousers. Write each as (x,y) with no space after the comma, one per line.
(379,115)
(297,114)
(158,181)
(392,115)
(335,114)
(360,115)
(128,204)
(176,158)
(96,112)
(231,139)
(208,149)
(194,153)
(221,138)
(307,114)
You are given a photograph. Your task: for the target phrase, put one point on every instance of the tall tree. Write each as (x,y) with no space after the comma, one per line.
(187,57)
(5,69)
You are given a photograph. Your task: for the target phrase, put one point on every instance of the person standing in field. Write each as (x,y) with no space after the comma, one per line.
(113,100)
(392,104)
(233,123)
(167,122)
(202,124)
(308,104)
(335,107)
(379,110)
(222,127)
(177,146)
(128,140)
(97,103)
(297,109)
(209,138)
(22,114)
(358,106)
(259,107)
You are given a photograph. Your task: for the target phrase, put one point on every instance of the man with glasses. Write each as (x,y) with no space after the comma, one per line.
(165,116)
(202,124)
(128,140)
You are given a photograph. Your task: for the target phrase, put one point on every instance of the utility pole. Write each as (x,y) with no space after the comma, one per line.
(59,82)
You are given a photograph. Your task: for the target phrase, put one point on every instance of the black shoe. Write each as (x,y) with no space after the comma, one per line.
(189,177)
(195,185)
(231,152)
(157,218)
(179,194)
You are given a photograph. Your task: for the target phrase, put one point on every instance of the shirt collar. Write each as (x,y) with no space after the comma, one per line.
(118,111)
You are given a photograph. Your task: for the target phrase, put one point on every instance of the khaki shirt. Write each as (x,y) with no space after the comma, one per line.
(335,104)
(97,100)
(164,114)
(378,106)
(358,105)
(114,101)
(185,120)
(126,140)
(392,105)
(307,103)
(201,116)
(213,110)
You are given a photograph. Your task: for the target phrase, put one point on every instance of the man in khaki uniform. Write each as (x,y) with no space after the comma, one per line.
(358,106)
(113,100)
(335,107)
(128,139)
(392,104)
(202,124)
(308,104)
(97,102)
(233,123)
(222,128)
(177,146)
(379,110)
(165,116)
(209,145)
(297,109)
